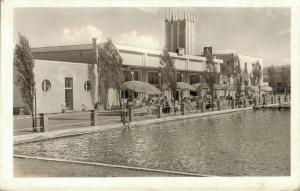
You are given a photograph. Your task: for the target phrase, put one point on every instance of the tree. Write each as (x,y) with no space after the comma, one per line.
(210,74)
(246,78)
(24,63)
(92,77)
(110,67)
(272,77)
(256,74)
(168,71)
(238,80)
(285,78)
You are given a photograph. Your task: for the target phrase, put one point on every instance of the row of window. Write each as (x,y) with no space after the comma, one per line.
(46,85)
(153,78)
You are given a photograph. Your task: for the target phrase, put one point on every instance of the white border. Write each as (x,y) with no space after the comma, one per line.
(240,183)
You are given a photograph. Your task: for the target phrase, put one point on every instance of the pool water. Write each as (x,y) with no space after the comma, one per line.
(249,143)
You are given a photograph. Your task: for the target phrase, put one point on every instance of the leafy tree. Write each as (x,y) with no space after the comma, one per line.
(256,74)
(272,77)
(168,71)
(211,73)
(92,78)
(246,78)
(24,64)
(238,80)
(285,78)
(110,68)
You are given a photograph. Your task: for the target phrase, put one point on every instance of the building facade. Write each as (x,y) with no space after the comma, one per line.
(62,73)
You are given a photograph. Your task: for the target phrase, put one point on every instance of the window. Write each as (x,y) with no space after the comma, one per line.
(128,76)
(179,77)
(87,86)
(153,78)
(194,79)
(46,85)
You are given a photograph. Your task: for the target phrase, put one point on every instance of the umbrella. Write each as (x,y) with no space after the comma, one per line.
(141,87)
(200,86)
(252,88)
(184,86)
(266,89)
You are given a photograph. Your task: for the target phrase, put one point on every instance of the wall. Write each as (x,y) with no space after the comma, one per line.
(56,72)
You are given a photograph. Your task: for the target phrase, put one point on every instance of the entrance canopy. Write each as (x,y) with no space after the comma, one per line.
(141,87)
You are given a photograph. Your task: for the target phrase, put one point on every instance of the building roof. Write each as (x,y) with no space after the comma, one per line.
(120,47)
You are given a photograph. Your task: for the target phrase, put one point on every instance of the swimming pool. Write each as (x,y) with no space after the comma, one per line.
(248,143)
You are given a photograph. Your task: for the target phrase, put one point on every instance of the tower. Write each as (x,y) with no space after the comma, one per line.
(180,32)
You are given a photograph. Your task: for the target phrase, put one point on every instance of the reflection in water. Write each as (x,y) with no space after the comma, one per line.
(237,144)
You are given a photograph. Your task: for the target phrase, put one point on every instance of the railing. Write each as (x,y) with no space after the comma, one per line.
(46,122)
(25,124)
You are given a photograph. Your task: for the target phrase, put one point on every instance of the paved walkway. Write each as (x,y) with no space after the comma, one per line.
(62,121)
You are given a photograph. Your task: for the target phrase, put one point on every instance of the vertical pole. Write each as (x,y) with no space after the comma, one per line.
(43,122)
(35,119)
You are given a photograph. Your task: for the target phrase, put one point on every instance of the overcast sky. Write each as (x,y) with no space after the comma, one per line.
(258,32)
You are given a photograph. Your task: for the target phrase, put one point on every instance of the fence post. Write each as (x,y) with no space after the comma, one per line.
(245,103)
(159,111)
(130,113)
(218,105)
(272,100)
(43,122)
(182,108)
(279,99)
(93,118)
(232,104)
(202,106)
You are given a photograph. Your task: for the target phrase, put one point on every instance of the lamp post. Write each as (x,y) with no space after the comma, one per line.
(159,86)
(181,89)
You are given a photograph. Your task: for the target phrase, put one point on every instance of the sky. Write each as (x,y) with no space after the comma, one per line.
(258,32)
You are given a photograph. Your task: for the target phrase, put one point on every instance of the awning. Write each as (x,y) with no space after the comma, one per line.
(184,86)
(141,87)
